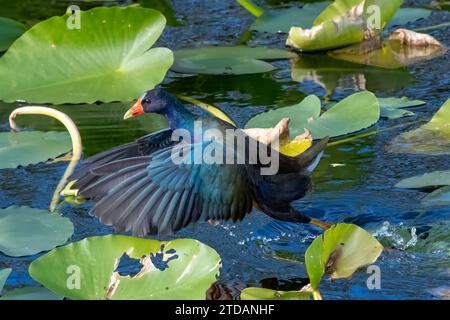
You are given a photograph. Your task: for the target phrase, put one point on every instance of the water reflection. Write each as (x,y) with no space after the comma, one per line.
(101,126)
(331,74)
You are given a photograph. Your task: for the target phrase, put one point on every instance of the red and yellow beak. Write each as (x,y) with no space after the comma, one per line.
(135,110)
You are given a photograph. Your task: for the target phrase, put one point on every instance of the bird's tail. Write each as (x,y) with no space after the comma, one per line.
(305,162)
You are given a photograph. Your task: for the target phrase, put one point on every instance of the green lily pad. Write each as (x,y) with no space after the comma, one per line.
(406,15)
(343,23)
(26,231)
(4,274)
(10,30)
(439,197)
(299,114)
(268,294)
(431,179)
(227,60)
(281,20)
(335,10)
(396,103)
(340,251)
(352,114)
(432,138)
(178,269)
(107,59)
(386,54)
(392,108)
(30,293)
(29,147)
(392,113)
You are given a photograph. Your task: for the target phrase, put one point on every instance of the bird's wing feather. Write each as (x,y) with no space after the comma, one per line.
(155,195)
(143,146)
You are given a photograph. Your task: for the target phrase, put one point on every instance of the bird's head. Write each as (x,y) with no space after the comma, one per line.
(154,100)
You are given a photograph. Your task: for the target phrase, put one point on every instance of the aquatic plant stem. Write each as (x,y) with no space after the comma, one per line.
(74,136)
(251,7)
(316,295)
(437,26)
(370,133)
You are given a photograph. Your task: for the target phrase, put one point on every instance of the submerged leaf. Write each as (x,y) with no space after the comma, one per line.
(227,60)
(10,30)
(178,269)
(107,59)
(340,251)
(269,294)
(431,138)
(29,147)
(26,231)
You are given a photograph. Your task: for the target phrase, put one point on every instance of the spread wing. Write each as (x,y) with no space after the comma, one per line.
(143,146)
(157,195)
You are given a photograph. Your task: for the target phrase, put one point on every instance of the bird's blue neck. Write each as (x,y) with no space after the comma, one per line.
(178,116)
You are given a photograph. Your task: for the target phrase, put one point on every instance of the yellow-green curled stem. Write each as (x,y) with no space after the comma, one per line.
(74,136)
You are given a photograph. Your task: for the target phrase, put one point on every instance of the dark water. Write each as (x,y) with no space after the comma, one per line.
(361,191)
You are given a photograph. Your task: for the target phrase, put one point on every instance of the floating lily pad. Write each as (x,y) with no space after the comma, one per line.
(29,147)
(298,114)
(343,23)
(281,20)
(439,197)
(432,138)
(392,108)
(406,15)
(340,251)
(26,231)
(352,114)
(178,269)
(107,59)
(227,60)
(4,274)
(386,54)
(396,103)
(10,30)
(431,179)
(30,293)
(268,294)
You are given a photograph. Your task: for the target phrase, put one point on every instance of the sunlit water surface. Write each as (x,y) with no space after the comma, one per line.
(261,251)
